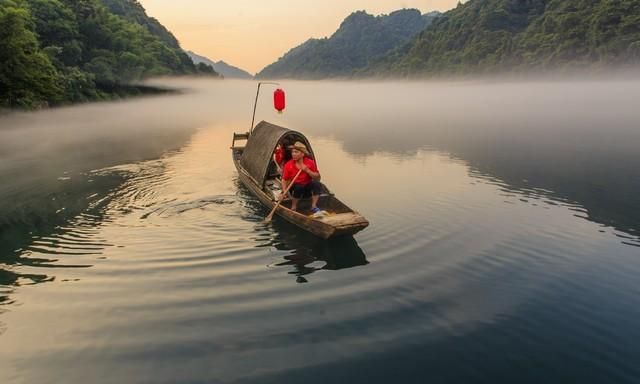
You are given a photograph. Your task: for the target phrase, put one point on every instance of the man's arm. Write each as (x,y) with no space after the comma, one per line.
(315,175)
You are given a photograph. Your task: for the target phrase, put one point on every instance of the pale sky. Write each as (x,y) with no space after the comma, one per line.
(251,34)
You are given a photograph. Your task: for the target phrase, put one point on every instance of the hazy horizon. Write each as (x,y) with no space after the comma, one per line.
(251,34)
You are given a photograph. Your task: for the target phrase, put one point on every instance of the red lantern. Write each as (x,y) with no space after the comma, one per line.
(278,100)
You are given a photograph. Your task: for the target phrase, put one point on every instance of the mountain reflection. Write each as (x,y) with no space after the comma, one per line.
(52,203)
(10,278)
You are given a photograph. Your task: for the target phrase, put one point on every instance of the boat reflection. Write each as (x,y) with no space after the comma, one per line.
(306,253)
(309,254)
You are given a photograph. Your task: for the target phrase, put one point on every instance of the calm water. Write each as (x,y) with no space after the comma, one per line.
(504,243)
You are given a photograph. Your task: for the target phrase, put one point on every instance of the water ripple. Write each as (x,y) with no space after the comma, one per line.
(185,271)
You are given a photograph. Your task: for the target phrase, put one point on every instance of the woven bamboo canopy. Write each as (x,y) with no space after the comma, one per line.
(262,142)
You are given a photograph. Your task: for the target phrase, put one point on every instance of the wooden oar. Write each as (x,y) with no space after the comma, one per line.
(270,216)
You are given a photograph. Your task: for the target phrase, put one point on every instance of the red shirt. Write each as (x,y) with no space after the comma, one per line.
(279,153)
(289,171)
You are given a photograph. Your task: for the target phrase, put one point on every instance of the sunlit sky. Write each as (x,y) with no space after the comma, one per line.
(251,34)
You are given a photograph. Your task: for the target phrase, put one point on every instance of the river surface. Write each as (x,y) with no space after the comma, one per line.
(504,243)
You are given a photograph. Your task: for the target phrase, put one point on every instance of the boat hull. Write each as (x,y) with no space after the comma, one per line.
(341,224)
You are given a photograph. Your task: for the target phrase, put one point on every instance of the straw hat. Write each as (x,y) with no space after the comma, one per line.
(300,147)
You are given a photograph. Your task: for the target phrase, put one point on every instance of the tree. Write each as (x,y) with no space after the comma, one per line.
(27,77)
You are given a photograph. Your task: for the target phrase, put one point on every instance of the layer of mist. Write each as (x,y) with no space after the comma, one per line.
(576,140)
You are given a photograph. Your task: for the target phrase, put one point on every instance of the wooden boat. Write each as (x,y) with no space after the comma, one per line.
(255,166)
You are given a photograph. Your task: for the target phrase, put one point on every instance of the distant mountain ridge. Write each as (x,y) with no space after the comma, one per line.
(226,70)
(360,38)
(490,36)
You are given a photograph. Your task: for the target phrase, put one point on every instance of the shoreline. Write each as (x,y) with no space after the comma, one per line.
(109,93)
(118,92)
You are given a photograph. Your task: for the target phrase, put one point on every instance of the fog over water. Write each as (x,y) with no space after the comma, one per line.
(504,237)
(578,140)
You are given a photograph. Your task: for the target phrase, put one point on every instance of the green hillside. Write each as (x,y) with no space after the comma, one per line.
(360,38)
(133,11)
(63,51)
(485,36)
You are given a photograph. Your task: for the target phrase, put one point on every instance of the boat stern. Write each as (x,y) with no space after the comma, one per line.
(344,224)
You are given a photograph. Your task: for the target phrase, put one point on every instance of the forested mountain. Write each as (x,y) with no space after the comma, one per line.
(61,51)
(360,38)
(490,36)
(228,71)
(133,11)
